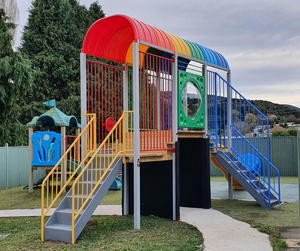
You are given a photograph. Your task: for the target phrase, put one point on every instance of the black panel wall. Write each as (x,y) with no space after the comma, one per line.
(194,172)
(156,189)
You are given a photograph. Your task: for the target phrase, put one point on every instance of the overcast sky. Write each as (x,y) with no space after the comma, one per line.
(259,38)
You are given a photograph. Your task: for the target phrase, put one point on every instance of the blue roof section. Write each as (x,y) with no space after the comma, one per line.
(213,57)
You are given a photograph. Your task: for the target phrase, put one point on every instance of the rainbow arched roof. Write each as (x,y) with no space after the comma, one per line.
(112,38)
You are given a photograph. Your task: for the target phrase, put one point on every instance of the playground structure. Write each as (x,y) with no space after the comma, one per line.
(46,147)
(155,110)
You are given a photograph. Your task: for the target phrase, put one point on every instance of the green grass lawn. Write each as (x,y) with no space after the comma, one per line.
(25,232)
(105,233)
(101,232)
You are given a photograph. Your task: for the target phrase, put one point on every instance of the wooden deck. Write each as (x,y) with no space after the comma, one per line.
(191,134)
(154,145)
(151,156)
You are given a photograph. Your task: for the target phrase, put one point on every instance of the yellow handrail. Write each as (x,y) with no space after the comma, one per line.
(76,155)
(116,143)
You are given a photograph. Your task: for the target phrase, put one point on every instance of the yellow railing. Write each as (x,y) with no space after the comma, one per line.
(116,144)
(68,167)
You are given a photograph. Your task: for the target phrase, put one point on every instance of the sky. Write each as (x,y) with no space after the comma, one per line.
(259,38)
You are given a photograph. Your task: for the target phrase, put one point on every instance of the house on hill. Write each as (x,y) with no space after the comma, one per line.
(276,128)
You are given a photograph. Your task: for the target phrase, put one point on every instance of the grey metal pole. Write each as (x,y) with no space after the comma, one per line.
(125,173)
(63,150)
(204,69)
(136,146)
(6,147)
(83,88)
(229,132)
(175,130)
(30,146)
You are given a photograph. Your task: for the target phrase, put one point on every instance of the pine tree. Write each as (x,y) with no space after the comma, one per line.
(16,79)
(52,39)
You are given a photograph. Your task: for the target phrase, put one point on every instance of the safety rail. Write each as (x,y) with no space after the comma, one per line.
(117,143)
(238,126)
(68,167)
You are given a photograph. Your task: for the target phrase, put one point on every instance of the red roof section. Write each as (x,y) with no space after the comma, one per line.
(111,37)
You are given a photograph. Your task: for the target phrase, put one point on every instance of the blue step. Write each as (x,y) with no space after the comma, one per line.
(248,180)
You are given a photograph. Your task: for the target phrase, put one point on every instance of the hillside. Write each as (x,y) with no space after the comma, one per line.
(284,113)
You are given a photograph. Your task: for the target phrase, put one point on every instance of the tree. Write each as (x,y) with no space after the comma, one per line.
(52,39)
(290,132)
(11,10)
(16,79)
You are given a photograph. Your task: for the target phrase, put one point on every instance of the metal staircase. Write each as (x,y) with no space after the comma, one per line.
(256,187)
(237,129)
(59,226)
(99,167)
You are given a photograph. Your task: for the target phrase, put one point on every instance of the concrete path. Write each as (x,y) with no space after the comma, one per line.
(220,231)
(100,210)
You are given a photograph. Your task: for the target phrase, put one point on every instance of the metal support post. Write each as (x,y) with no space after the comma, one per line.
(204,73)
(62,152)
(83,88)
(136,146)
(30,174)
(175,130)
(125,172)
(229,131)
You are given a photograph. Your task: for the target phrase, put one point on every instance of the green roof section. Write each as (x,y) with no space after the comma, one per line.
(54,117)
(195,50)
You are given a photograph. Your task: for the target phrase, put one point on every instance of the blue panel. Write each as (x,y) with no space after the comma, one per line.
(183,63)
(213,57)
(46,148)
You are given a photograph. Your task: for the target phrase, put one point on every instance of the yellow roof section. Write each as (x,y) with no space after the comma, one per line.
(180,45)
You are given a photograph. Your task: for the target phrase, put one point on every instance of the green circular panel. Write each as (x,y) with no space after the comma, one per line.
(191,100)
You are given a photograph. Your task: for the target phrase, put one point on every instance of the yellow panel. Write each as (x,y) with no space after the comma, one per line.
(180,45)
(142,48)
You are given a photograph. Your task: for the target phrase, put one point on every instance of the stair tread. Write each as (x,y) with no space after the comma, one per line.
(80,196)
(67,210)
(60,227)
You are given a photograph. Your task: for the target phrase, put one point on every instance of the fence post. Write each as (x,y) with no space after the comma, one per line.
(30,174)
(6,146)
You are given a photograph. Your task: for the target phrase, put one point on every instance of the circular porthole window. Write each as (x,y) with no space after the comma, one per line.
(191,100)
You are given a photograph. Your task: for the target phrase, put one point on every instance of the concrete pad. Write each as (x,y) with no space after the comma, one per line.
(219,190)
(108,210)
(221,232)
(23,213)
